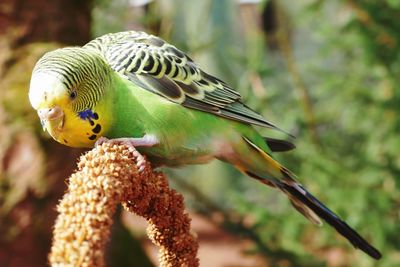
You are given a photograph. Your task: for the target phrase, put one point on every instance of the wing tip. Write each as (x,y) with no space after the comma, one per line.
(279,145)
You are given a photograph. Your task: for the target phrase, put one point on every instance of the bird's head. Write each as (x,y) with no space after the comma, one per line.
(66,89)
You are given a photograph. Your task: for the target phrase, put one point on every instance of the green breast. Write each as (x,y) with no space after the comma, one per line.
(185,135)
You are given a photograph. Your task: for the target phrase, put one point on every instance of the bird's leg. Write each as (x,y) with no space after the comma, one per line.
(131,142)
(146,140)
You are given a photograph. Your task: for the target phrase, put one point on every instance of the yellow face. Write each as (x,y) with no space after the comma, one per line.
(55,106)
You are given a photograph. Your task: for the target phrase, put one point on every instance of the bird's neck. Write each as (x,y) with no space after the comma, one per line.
(127,115)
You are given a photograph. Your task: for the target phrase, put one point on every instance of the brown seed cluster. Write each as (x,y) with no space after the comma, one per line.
(109,175)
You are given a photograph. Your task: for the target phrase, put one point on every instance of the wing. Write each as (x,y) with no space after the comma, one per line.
(161,68)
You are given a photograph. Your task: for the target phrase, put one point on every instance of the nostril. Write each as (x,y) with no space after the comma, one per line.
(50,113)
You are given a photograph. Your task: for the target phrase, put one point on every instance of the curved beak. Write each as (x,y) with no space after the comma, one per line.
(54,116)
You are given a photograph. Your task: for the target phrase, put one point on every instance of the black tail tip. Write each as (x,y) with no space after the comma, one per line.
(332,219)
(371,251)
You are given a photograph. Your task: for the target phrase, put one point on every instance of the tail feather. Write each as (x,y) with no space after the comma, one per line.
(331,218)
(306,211)
(310,206)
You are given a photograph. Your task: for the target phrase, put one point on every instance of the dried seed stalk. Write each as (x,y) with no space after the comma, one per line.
(107,176)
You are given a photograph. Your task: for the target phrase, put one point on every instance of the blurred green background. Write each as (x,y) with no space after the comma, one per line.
(326,71)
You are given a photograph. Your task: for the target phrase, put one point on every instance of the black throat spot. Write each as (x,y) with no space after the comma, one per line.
(92,137)
(97,129)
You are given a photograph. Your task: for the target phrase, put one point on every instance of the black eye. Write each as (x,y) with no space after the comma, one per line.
(73,95)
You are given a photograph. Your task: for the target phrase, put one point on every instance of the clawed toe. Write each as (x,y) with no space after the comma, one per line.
(140,160)
(101,141)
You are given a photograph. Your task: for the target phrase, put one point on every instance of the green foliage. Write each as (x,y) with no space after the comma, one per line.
(346,55)
(124,249)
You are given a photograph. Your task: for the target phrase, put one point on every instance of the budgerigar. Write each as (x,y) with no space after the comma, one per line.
(135,87)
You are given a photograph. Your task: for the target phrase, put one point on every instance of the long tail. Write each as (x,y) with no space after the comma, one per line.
(310,206)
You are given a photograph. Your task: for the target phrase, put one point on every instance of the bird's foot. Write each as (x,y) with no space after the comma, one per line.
(131,143)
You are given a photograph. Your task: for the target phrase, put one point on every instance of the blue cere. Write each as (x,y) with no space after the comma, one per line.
(87,114)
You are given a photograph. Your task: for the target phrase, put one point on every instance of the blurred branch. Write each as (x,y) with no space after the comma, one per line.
(362,15)
(285,47)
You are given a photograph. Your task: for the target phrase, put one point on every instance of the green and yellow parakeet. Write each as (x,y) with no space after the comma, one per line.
(136,87)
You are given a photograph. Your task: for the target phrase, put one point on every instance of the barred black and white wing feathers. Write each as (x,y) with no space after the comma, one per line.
(163,69)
